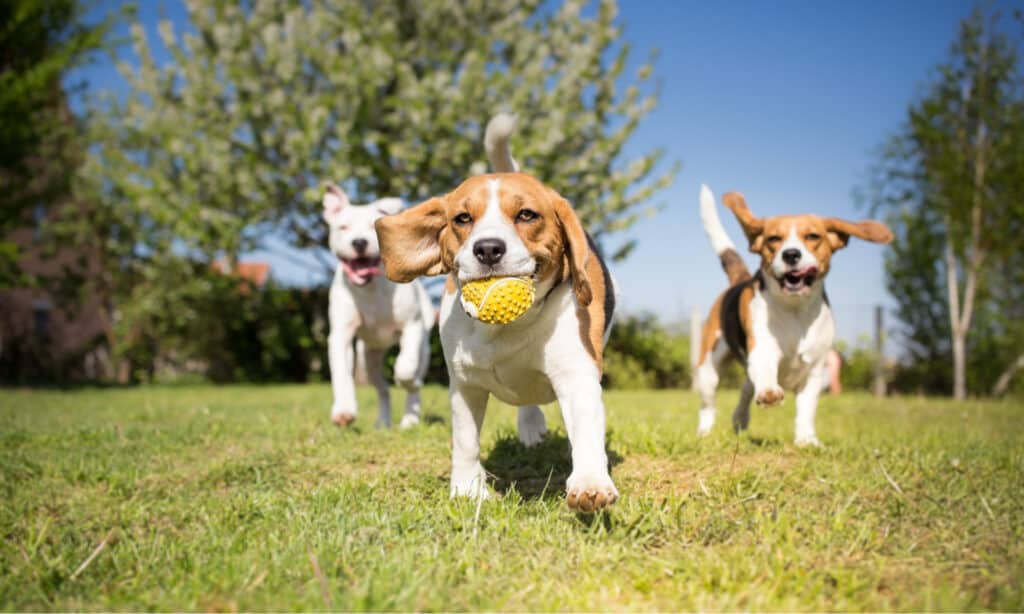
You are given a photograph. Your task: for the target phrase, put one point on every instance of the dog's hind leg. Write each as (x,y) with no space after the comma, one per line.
(411,367)
(706,375)
(741,415)
(532,425)
(375,373)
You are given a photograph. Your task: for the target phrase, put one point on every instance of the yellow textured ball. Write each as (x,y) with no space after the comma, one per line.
(498,300)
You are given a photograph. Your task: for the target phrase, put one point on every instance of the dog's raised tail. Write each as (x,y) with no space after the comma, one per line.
(733,265)
(496,142)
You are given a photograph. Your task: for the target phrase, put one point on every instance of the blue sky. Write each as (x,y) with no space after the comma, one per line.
(785,101)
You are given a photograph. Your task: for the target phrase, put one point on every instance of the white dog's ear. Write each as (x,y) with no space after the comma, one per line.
(389,206)
(335,200)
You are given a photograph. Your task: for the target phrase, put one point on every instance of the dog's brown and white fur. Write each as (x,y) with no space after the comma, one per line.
(510,224)
(777,322)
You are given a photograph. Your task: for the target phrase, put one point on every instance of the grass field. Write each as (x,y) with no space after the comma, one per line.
(222,498)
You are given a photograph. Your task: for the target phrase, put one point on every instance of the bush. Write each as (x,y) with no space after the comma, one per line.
(644,353)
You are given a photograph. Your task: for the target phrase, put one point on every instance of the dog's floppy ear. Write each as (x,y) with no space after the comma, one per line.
(577,248)
(752,226)
(840,231)
(335,200)
(388,206)
(411,242)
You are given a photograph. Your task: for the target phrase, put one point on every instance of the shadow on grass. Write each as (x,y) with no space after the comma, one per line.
(765,442)
(539,472)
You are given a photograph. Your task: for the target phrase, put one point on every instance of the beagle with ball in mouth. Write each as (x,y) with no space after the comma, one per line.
(509,224)
(777,322)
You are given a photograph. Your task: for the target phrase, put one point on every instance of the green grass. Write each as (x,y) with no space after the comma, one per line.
(218,498)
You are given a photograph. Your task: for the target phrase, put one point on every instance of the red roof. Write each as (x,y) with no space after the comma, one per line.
(255,272)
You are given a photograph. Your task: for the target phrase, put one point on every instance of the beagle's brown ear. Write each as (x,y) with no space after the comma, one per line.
(840,231)
(577,248)
(752,226)
(411,242)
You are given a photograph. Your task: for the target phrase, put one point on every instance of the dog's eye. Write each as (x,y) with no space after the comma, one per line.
(774,239)
(813,237)
(462,219)
(526,215)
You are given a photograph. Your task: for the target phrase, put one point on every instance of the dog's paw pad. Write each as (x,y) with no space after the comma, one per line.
(590,494)
(770,397)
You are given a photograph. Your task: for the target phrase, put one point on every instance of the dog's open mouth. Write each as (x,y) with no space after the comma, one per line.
(798,282)
(360,271)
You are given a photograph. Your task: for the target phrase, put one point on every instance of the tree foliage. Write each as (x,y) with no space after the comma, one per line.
(230,141)
(40,42)
(952,182)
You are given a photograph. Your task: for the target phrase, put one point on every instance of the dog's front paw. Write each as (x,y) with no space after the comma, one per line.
(808,441)
(590,493)
(770,396)
(470,483)
(409,421)
(342,417)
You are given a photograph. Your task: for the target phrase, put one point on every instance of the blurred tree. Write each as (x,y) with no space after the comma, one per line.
(40,42)
(952,180)
(230,141)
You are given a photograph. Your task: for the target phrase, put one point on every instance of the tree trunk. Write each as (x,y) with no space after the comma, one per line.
(1004,380)
(956,330)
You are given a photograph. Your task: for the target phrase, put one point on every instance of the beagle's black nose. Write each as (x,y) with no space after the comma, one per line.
(489,251)
(359,245)
(791,256)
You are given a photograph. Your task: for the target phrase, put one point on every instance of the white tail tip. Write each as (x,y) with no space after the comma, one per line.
(712,224)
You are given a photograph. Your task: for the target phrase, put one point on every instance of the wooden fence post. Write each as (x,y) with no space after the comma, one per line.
(879,386)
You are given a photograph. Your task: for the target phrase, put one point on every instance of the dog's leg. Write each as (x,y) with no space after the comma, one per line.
(410,368)
(763,371)
(807,406)
(532,425)
(468,408)
(707,384)
(741,415)
(589,487)
(375,373)
(341,360)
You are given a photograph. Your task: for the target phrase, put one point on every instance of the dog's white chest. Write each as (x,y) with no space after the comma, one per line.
(802,337)
(514,362)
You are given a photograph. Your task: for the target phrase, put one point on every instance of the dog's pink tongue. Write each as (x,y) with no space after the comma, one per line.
(364,270)
(811,270)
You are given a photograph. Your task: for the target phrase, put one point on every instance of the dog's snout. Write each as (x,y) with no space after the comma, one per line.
(489,251)
(359,245)
(791,256)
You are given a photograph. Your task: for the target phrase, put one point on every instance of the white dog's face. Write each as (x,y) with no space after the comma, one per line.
(352,236)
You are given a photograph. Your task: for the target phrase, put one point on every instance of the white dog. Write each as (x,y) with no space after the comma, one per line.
(510,224)
(366,307)
(777,323)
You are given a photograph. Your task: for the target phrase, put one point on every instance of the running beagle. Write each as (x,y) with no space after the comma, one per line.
(510,224)
(777,322)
